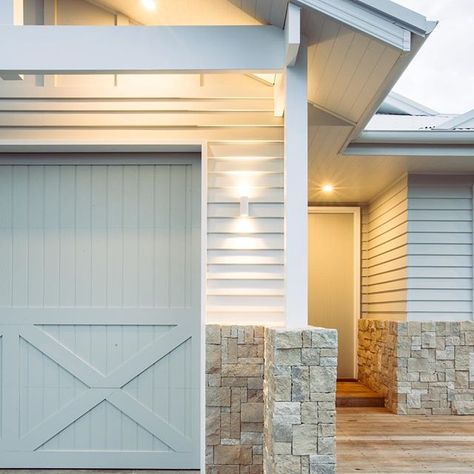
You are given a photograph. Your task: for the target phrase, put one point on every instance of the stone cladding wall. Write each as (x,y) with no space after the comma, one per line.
(300,395)
(377,359)
(234,399)
(431,365)
(275,381)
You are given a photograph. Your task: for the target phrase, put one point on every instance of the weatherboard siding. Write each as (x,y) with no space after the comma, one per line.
(384,254)
(440,258)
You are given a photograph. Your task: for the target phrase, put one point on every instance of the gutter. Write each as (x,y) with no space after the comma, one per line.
(429,143)
(414,22)
(433,137)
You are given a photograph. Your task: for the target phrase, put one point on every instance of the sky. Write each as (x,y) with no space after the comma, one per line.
(442,74)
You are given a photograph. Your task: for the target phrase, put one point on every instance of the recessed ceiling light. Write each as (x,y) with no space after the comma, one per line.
(328,188)
(149,4)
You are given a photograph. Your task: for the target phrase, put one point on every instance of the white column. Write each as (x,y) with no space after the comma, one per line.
(296,191)
(11,12)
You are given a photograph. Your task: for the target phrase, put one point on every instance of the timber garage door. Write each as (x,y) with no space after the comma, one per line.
(100,313)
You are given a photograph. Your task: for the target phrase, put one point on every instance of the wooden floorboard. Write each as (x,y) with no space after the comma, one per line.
(354,394)
(374,440)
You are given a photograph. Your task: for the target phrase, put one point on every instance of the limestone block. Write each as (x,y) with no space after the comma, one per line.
(227,454)
(310,356)
(300,384)
(323,379)
(428,340)
(290,412)
(309,412)
(288,357)
(287,339)
(305,439)
(419,365)
(286,464)
(213,334)
(252,412)
(463,407)
(325,338)
(218,396)
(326,445)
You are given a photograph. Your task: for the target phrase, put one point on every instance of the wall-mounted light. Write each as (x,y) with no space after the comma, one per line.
(327,188)
(244,206)
(149,5)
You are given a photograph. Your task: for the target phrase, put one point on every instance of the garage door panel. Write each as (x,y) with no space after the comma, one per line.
(100,314)
(77,235)
(45,387)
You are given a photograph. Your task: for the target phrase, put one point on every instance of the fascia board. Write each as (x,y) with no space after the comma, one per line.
(364,20)
(411,20)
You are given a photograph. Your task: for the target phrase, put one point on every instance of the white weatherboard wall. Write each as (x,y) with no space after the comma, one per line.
(440,259)
(417,254)
(384,254)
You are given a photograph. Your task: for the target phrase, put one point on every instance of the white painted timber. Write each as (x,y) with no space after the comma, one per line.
(384,254)
(134,49)
(245,256)
(292,34)
(11,13)
(296,192)
(100,314)
(440,239)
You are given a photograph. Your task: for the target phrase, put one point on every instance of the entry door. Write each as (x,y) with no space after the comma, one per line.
(100,314)
(333,280)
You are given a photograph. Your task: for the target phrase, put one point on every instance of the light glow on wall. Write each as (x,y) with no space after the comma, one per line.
(149,5)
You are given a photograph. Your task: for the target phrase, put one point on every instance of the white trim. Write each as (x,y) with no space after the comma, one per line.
(296,193)
(404,105)
(292,33)
(355,211)
(204,166)
(415,22)
(363,19)
(457,121)
(138,49)
(11,13)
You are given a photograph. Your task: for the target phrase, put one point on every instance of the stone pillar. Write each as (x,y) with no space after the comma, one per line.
(234,399)
(300,396)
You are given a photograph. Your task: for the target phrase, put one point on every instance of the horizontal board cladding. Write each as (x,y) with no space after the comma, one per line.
(384,254)
(245,272)
(440,246)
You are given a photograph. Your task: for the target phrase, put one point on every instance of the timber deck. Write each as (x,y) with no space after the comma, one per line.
(373,440)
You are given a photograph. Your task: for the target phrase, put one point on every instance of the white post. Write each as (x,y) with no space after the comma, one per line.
(11,13)
(296,191)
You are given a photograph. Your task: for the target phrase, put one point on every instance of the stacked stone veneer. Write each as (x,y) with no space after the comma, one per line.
(421,367)
(377,359)
(281,382)
(234,399)
(300,384)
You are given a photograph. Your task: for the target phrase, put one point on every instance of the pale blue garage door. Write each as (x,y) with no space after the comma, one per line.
(100,313)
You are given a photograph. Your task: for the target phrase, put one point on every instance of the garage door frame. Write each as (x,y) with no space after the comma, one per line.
(82,155)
